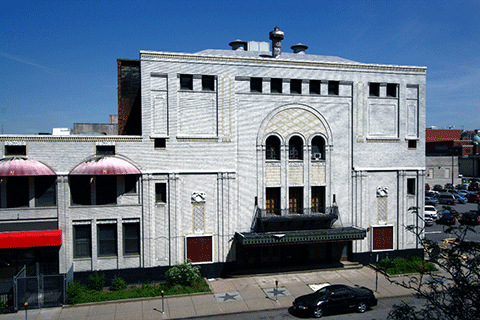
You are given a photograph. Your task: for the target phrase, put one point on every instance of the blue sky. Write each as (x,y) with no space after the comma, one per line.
(58,58)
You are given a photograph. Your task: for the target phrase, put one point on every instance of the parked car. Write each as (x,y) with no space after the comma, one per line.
(427,186)
(473,197)
(473,186)
(431,194)
(437,187)
(431,210)
(431,201)
(460,198)
(449,186)
(335,298)
(446,198)
(446,218)
(470,217)
(461,186)
(428,220)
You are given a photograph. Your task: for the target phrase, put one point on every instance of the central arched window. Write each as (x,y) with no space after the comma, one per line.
(295,148)
(318,148)
(273,148)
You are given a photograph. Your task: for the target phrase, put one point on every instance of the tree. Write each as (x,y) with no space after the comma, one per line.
(454,292)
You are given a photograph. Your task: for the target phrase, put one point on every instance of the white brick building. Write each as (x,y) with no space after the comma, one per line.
(244,161)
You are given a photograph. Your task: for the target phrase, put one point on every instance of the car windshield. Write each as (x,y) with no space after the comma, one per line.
(322,293)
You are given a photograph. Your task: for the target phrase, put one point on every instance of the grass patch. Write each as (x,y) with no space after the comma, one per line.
(412,264)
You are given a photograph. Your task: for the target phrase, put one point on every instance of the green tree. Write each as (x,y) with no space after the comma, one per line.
(454,293)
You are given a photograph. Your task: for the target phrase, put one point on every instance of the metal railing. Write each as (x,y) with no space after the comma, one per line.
(301,212)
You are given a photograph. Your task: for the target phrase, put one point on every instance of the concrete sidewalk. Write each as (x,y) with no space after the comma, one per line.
(231,295)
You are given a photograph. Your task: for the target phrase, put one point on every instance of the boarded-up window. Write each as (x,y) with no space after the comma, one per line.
(199,249)
(382,238)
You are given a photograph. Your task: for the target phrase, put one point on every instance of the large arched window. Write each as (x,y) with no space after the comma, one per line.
(295,148)
(273,148)
(318,148)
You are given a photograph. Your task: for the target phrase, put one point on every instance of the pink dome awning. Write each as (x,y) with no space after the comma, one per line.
(17,166)
(105,166)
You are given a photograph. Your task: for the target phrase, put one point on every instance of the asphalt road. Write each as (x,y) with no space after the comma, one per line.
(378,312)
(436,232)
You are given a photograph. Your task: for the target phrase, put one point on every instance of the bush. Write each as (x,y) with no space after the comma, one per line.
(183,275)
(118,284)
(74,291)
(96,282)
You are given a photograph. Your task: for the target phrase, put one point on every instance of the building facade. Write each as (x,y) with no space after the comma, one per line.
(234,159)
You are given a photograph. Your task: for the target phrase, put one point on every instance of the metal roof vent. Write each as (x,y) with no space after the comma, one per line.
(299,48)
(276,36)
(238,45)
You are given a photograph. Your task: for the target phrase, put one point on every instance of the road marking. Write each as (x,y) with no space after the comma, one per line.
(432,232)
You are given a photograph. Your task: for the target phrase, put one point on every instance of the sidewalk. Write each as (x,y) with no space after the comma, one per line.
(232,295)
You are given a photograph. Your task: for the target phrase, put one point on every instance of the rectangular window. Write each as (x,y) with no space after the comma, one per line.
(131,238)
(186,82)
(273,200)
(256,84)
(107,239)
(392,90)
(160,192)
(45,191)
(17,192)
(295,199)
(80,190)
(314,86)
(160,143)
(106,187)
(208,83)
(411,186)
(199,249)
(296,86)
(15,150)
(105,150)
(276,85)
(412,144)
(333,87)
(318,199)
(82,241)
(374,89)
(382,238)
(131,183)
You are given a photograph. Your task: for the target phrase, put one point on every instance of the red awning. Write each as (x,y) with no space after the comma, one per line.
(23,167)
(27,239)
(105,166)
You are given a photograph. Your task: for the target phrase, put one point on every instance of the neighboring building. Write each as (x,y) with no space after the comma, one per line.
(237,160)
(108,129)
(450,155)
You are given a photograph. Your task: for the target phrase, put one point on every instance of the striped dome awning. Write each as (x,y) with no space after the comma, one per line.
(105,166)
(17,166)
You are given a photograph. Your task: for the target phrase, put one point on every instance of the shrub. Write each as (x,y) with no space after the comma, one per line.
(412,264)
(118,284)
(183,275)
(96,282)
(74,291)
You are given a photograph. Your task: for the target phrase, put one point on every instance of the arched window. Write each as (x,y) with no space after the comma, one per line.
(318,148)
(273,148)
(295,148)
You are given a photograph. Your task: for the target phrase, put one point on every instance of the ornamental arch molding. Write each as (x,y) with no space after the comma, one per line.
(294,119)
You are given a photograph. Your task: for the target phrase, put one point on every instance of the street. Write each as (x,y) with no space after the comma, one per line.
(378,312)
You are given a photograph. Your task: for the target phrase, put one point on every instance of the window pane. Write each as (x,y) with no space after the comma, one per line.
(255,84)
(296,86)
(273,148)
(82,243)
(186,82)
(131,183)
(106,187)
(314,86)
(391,90)
(161,192)
(374,89)
(107,239)
(131,238)
(276,85)
(105,150)
(333,87)
(15,150)
(17,192)
(45,191)
(208,83)
(80,190)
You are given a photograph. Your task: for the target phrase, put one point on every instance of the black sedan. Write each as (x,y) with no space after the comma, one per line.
(470,217)
(334,299)
(447,218)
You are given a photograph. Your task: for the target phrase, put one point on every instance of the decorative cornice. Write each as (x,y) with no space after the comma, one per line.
(185,56)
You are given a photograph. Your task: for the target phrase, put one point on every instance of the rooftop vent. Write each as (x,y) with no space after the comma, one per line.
(276,36)
(238,45)
(299,48)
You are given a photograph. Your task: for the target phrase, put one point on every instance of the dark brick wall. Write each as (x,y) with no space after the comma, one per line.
(129,97)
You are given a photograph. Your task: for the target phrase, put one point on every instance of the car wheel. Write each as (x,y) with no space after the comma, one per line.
(318,312)
(362,307)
